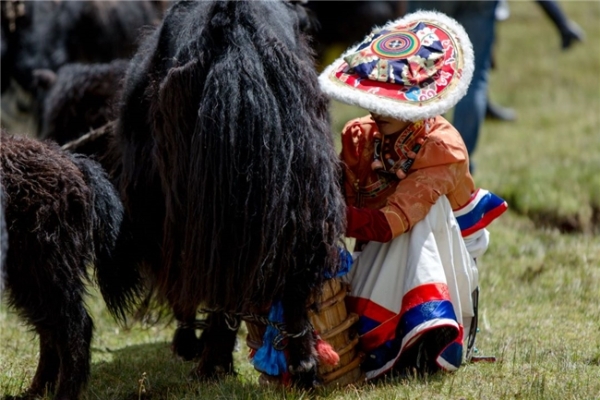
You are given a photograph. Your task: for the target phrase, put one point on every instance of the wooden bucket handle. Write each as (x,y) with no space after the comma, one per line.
(350,320)
(339,372)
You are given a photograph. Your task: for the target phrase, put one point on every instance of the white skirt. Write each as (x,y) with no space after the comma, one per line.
(419,282)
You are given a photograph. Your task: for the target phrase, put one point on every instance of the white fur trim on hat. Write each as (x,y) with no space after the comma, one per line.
(392,108)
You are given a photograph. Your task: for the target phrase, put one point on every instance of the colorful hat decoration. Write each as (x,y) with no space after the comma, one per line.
(411,69)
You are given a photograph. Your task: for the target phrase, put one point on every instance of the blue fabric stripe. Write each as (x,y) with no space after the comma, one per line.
(425,312)
(366,324)
(344,266)
(390,349)
(412,318)
(486,204)
(453,354)
(381,355)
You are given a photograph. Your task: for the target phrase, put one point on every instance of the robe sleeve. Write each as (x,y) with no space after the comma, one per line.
(442,167)
(365,225)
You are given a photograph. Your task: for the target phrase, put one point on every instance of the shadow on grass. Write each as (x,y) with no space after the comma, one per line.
(151,371)
(552,218)
(134,370)
(573,223)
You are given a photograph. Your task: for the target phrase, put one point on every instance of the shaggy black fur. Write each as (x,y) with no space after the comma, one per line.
(62,214)
(49,34)
(229,174)
(80,97)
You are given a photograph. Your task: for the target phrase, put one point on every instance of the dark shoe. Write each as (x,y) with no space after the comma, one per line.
(570,34)
(494,111)
(421,357)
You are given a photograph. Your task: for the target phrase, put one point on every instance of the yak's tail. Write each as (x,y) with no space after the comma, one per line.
(120,284)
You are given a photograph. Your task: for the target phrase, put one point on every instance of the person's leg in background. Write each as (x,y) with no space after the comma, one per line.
(494,110)
(478,19)
(569,31)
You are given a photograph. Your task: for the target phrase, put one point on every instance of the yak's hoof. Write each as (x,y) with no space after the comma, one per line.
(186,344)
(304,375)
(305,366)
(212,372)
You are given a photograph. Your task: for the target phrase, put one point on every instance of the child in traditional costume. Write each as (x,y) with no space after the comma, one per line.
(412,204)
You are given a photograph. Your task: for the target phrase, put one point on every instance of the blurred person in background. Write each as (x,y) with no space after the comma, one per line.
(494,110)
(478,17)
(568,30)
(570,33)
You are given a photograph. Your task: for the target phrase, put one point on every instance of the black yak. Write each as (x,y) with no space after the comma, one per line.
(61,214)
(228,174)
(79,98)
(49,34)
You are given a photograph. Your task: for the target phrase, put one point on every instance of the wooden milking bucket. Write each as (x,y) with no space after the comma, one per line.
(331,321)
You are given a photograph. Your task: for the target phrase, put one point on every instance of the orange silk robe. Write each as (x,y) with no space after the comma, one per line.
(441,167)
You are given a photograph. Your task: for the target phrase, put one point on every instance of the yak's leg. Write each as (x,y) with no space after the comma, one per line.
(301,349)
(185,343)
(39,301)
(65,337)
(46,374)
(218,342)
(74,337)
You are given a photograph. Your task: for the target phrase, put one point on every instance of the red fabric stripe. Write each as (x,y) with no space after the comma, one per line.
(461,335)
(368,308)
(378,336)
(389,321)
(486,220)
(424,293)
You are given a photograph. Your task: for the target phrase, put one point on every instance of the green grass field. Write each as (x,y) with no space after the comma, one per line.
(540,279)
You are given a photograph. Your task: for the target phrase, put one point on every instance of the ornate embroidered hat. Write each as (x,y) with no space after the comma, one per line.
(413,68)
